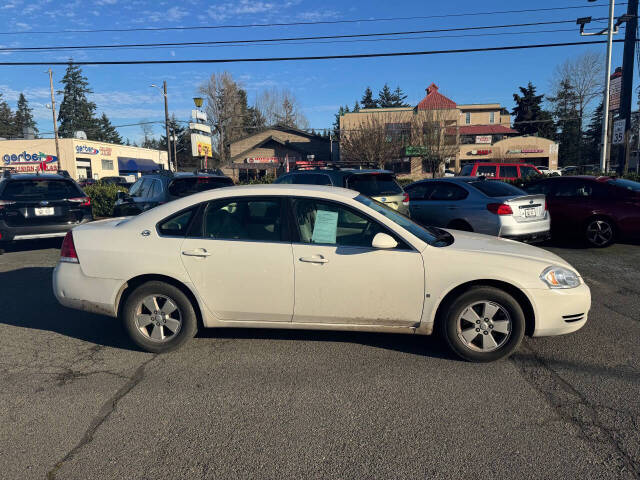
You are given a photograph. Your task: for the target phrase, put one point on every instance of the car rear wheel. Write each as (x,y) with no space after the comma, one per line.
(600,232)
(159,317)
(483,324)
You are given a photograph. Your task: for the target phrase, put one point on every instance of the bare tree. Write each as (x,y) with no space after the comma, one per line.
(435,139)
(372,142)
(280,106)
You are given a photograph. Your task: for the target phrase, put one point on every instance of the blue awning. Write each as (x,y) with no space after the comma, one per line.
(129,164)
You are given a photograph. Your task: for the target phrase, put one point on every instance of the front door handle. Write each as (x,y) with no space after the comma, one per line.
(198,252)
(314,259)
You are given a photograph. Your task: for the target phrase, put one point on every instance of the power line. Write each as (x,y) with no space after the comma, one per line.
(282,39)
(318,57)
(319,22)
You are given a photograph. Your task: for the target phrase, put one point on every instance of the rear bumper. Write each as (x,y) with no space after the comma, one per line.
(10,233)
(73,289)
(561,311)
(530,237)
(539,230)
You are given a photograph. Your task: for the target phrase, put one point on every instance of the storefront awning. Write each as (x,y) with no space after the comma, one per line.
(129,164)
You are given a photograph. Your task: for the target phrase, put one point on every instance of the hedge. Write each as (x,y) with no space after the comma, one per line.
(103,198)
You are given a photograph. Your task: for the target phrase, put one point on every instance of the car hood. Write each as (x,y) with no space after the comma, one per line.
(489,245)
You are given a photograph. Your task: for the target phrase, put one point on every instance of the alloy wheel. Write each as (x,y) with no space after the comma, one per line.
(599,233)
(158,318)
(484,326)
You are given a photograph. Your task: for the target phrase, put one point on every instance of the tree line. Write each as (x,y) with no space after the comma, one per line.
(14,124)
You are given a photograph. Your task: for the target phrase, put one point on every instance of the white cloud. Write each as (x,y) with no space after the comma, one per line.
(106,2)
(175,13)
(23,26)
(248,7)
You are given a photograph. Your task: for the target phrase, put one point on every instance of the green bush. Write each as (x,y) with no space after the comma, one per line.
(257,181)
(103,198)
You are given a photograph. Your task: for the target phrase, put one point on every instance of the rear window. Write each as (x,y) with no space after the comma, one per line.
(181,187)
(496,188)
(40,189)
(374,184)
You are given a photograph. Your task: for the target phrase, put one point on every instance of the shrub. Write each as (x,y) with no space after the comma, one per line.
(257,181)
(103,198)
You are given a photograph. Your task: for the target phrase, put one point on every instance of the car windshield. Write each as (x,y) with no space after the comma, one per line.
(181,187)
(628,184)
(40,189)
(374,184)
(494,188)
(433,236)
(466,170)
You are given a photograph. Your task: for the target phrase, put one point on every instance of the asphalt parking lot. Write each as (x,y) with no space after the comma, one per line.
(78,401)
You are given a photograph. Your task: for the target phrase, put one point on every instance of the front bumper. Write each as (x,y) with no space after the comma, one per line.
(73,289)
(560,311)
(9,233)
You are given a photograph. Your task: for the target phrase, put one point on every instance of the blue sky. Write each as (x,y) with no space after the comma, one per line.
(123,92)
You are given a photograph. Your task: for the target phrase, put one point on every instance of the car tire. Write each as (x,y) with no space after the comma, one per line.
(483,324)
(159,317)
(599,232)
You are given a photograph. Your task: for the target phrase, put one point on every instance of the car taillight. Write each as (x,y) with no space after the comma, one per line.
(545,204)
(83,201)
(500,209)
(68,252)
(3,203)
(405,199)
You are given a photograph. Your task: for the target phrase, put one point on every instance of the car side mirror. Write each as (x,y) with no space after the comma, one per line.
(382,240)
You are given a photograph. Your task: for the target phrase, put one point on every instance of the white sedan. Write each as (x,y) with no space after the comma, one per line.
(307,257)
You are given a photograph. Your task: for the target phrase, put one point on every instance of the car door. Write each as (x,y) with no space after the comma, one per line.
(418,198)
(239,259)
(444,204)
(341,279)
(571,201)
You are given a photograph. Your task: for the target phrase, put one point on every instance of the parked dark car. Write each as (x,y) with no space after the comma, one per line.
(380,185)
(154,189)
(600,210)
(40,206)
(86,182)
(119,181)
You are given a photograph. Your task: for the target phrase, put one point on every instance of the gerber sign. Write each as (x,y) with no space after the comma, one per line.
(30,162)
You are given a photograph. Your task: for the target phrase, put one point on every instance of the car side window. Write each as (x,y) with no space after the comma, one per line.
(527,172)
(155,189)
(486,170)
(445,191)
(328,223)
(543,188)
(134,191)
(176,225)
(574,188)
(508,171)
(286,179)
(311,179)
(419,191)
(244,218)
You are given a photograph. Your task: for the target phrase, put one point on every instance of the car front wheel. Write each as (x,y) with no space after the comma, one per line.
(159,317)
(600,232)
(483,324)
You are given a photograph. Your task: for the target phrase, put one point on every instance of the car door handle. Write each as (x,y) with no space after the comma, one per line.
(198,252)
(314,259)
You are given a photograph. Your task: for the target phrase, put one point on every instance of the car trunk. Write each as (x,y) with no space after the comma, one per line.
(526,208)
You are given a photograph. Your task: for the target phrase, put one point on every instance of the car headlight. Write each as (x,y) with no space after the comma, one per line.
(559,277)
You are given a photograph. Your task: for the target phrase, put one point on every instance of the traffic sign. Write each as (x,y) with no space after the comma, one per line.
(618,132)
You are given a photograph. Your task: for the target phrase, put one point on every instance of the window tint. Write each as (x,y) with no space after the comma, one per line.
(374,184)
(40,189)
(466,170)
(181,187)
(420,191)
(287,179)
(628,184)
(543,188)
(143,189)
(330,223)
(156,189)
(445,191)
(176,226)
(508,171)
(574,188)
(311,179)
(135,188)
(243,219)
(486,170)
(496,188)
(528,171)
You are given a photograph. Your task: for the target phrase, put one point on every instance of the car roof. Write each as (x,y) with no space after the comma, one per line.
(33,176)
(343,171)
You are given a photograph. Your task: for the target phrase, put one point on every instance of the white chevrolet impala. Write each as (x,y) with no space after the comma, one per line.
(306,257)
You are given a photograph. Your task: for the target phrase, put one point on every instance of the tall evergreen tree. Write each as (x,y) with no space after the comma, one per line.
(356,107)
(567,118)
(593,136)
(7,120)
(367,99)
(336,123)
(385,97)
(107,132)
(530,118)
(399,98)
(24,117)
(76,111)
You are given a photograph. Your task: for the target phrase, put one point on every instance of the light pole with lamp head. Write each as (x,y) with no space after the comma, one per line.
(166,118)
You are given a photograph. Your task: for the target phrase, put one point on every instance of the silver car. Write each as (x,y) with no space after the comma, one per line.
(479,205)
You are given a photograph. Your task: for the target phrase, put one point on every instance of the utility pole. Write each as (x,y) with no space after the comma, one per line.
(607,86)
(166,121)
(55,122)
(628,58)
(174,139)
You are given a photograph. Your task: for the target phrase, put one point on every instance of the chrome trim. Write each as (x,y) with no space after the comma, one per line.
(39,235)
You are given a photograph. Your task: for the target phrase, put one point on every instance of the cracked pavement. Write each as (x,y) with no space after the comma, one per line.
(78,401)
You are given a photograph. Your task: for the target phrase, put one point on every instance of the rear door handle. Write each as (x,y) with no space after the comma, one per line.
(314,259)
(198,252)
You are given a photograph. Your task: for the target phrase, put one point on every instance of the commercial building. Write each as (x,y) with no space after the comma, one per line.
(274,150)
(478,132)
(81,158)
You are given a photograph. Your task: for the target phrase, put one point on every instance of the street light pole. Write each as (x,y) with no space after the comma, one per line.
(55,122)
(166,118)
(607,87)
